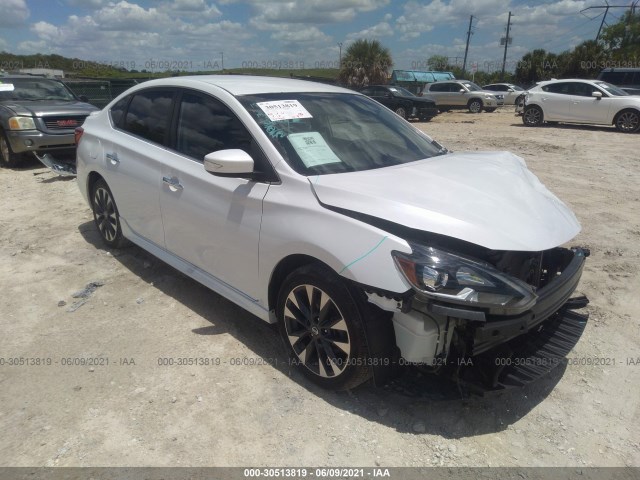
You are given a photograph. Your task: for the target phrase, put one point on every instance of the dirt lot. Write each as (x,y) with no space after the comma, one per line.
(135,412)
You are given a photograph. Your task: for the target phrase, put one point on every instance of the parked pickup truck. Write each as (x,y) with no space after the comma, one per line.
(39,115)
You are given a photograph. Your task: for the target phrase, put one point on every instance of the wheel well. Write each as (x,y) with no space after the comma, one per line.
(628,109)
(91,181)
(284,268)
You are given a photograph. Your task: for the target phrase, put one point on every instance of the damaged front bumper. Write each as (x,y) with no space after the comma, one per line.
(488,351)
(65,167)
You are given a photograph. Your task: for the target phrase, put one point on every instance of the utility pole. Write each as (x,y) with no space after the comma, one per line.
(506,44)
(602,23)
(466,50)
(340,63)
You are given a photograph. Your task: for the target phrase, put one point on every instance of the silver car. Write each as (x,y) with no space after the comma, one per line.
(316,207)
(462,94)
(510,91)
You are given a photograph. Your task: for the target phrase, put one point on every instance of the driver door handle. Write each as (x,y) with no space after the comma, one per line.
(173,183)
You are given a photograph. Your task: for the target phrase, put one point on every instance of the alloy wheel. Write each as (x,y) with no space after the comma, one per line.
(628,121)
(317,331)
(105,213)
(532,116)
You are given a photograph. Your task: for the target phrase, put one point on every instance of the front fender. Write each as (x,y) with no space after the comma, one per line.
(353,249)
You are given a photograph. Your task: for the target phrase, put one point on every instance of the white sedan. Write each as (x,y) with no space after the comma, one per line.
(322,210)
(581,101)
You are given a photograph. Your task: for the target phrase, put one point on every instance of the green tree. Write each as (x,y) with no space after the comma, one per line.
(536,66)
(621,40)
(365,62)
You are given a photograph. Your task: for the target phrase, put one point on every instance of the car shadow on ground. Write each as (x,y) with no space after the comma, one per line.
(572,126)
(414,402)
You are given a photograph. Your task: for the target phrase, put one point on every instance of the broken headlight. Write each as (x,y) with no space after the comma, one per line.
(449,277)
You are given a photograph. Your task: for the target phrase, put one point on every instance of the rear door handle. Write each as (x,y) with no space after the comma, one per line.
(173,183)
(113,158)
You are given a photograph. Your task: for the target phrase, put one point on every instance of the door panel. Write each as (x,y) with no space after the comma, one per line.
(210,221)
(133,155)
(213,222)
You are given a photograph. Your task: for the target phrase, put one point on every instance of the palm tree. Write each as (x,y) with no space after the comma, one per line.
(365,62)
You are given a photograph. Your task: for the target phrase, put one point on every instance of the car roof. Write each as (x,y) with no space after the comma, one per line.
(247,84)
(24,77)
(556,80)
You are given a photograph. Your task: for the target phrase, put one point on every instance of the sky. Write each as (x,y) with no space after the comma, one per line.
(207,35)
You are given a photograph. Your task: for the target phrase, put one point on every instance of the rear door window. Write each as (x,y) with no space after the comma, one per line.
(149,115)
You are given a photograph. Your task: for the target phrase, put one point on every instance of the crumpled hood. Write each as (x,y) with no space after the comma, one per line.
(41,108)
(486,198)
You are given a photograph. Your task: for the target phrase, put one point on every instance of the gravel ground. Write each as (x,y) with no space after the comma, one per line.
(67,299)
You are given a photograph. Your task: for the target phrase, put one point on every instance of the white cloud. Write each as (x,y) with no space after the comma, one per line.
(382,29)
(14,13)
(125,32)
(301,35)
(271,15)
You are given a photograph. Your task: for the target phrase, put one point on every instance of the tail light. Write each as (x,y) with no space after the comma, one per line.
(78,134)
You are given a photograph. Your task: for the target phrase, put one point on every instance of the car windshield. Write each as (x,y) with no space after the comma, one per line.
(33,89)
(612,89)
(472,87)
(401,92)
(324,133)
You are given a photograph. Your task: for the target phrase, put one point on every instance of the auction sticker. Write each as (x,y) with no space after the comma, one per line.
(312,148)
(284,110)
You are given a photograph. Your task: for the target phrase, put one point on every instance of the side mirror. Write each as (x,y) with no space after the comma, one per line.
(462,90)
(232,162)
(84,98)
(598,95)
(510,90)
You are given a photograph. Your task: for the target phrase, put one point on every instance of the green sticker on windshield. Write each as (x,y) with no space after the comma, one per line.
(312,149)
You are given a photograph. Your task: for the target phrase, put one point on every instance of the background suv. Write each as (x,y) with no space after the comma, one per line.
(462,94)
(38,115)
(628,79)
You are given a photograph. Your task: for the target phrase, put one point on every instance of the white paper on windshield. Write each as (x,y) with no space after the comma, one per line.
(284,110)
(312,149)
(6,87)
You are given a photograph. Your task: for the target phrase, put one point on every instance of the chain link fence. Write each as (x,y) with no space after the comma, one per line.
(99,92)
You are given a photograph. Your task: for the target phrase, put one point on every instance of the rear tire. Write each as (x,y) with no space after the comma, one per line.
(322,327)
(8,159)
(106,216)
(490,110)
(532,116)
(627,121)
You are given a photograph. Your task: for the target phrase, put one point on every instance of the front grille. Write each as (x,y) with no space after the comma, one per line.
(67,122)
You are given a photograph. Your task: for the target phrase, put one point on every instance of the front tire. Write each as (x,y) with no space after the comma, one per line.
(322,327)
(628,121)
(490,110)
(8,159)
(106,216)
(475,105)
(532,116)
